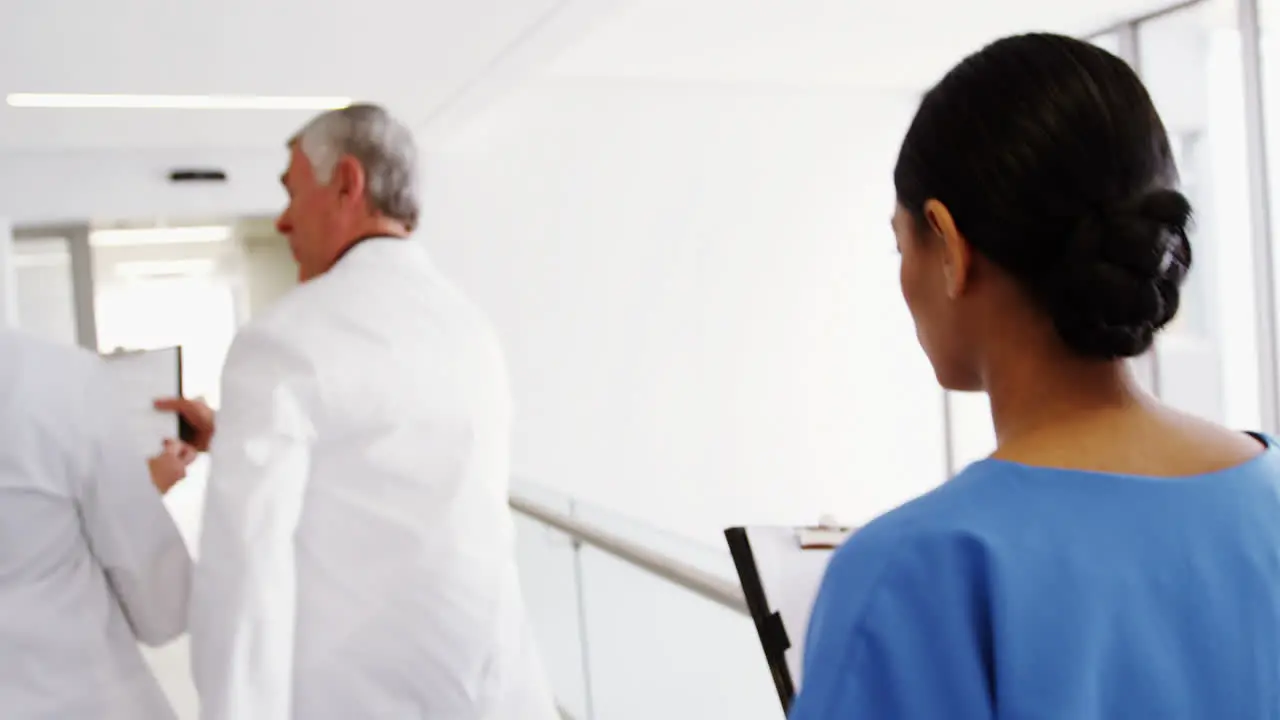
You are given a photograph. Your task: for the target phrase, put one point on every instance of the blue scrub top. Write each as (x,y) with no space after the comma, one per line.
(1043,594)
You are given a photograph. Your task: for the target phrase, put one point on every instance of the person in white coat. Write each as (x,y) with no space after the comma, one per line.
(91,563)
(357,555)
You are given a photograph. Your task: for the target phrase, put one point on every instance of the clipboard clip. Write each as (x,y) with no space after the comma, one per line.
(828,534)
(774,634)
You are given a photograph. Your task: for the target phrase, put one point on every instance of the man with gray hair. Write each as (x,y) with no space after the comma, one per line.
(357,556)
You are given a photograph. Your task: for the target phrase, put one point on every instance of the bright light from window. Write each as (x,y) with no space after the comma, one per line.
(159,236)
(41,260)
(166,268)
(176,102)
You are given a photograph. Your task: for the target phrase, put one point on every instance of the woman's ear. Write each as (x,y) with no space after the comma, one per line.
(957,256)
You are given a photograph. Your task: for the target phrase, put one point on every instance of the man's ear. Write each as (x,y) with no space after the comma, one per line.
(349,179)
(957,256)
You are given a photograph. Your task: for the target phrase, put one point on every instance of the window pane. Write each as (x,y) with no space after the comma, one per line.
(1206,361)
(1269,21)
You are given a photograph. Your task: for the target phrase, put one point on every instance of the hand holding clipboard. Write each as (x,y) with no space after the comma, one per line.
(196,420)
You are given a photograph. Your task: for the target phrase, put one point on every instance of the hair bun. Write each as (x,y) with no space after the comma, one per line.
(1120,278)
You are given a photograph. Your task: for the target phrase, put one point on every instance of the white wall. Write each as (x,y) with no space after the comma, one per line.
(43,187)
(697,287)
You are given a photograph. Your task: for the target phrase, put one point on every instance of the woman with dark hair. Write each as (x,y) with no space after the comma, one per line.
(1113,559)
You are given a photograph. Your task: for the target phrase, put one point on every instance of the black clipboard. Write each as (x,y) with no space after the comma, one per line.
(186,431)
(769,626)
(782,621)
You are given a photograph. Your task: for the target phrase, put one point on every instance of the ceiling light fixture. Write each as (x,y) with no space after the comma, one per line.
(177,102)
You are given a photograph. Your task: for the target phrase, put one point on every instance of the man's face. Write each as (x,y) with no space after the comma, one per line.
(310,219)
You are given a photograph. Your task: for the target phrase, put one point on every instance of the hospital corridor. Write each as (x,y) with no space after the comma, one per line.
(636,359)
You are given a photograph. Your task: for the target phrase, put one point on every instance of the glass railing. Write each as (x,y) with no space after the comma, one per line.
(622,642)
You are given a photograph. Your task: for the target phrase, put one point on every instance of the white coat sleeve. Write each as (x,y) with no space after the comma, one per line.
(126,525)
(242,624)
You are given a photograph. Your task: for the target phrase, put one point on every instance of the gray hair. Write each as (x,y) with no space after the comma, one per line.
(382,145)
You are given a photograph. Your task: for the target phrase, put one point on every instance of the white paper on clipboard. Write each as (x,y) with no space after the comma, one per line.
(790,577)
(781,570)
(140,378)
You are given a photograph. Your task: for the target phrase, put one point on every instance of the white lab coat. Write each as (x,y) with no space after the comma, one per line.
(91,563)
(357,559)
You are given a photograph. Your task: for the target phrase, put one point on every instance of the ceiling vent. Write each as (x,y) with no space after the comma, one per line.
(190,175)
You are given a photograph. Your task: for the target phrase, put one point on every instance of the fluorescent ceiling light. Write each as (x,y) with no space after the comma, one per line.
(159,236)
(177,102)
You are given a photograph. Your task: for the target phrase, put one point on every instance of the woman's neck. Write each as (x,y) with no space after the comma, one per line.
(1032,392)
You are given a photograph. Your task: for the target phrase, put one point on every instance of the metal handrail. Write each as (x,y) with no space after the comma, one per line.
(697,581)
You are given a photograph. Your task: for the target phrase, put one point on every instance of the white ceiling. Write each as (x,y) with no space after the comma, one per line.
(434,61)
(873,44)
(417,56)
